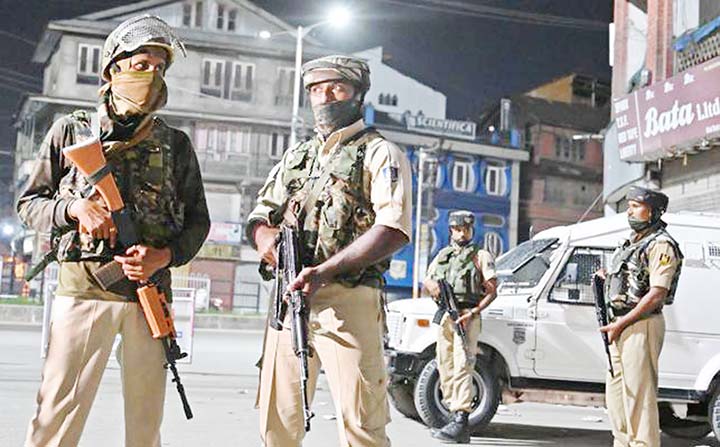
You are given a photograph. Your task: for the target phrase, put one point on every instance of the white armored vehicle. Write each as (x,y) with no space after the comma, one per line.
(540,338)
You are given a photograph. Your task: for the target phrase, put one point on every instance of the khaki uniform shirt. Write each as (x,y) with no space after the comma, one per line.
(662,264)
(386,168)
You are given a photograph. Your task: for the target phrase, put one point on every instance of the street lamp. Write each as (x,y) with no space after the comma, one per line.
(338,17)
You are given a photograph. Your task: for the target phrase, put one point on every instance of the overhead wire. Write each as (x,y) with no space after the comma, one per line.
(487,12)
(19,82)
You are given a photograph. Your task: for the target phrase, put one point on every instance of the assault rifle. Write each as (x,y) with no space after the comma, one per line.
(601,312)
(87,156)
(288,267)
(448,303)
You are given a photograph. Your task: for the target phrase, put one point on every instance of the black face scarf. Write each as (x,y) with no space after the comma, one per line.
(336,115)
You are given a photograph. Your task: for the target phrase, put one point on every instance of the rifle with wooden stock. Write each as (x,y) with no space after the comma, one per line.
(87,156)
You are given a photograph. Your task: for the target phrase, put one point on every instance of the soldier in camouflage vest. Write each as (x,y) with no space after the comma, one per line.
(641,279)
(159,179)
(347,192)
(470,271)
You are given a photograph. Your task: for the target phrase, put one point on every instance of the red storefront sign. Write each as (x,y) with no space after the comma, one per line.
(670,115)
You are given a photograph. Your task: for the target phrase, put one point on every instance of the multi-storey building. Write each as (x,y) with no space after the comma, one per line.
(559,124)
(666,108)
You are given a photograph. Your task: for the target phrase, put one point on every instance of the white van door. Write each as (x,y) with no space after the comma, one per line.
(568,343)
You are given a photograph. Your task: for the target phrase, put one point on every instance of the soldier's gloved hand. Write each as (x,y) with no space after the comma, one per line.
(94,218)
(141,262)
(265,238)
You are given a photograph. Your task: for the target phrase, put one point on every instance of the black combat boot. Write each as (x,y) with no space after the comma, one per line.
(456,431)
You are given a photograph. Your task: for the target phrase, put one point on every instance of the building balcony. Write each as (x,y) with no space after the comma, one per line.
(697,46)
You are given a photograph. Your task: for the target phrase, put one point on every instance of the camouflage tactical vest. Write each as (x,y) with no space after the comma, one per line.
(628,277)
(342,211)
(456,265)
(145,177)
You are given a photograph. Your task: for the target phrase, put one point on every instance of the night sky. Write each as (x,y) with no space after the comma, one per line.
(453,45)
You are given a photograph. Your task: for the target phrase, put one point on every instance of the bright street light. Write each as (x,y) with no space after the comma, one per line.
(8,230)
(339,16)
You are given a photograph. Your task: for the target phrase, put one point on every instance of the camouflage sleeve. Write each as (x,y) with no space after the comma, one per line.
(38,205)
(192,194)
(270,198)
(430,272)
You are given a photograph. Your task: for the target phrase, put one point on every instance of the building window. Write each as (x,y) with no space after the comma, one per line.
(463,177)
(192,14)
(493,243)
(495,180)
(88,65)
(226,18)
(220,17)
(213,80)
(221,143)
(232,20)
(242,82)
(239,141)
(187,14)
(284,88)
(278,143)
(569,149)
(493,220)
(387,99)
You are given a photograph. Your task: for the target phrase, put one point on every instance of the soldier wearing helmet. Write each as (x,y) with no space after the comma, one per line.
(347,192)
(641,279)
(158,176)
(470,271)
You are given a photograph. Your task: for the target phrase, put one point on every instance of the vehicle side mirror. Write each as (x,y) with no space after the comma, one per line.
(574,294)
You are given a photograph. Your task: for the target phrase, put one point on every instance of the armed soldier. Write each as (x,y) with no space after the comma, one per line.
(470,272)
(347,193)
(159,180)
(642,278)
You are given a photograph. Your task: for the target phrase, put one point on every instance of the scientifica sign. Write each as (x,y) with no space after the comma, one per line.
(443,127)
(671,115)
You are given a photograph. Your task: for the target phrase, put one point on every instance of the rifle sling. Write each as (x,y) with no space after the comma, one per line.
(98,175)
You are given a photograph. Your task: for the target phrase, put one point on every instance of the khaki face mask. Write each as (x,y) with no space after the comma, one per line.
(137,92)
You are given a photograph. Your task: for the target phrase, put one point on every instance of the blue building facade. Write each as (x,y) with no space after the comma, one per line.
(477,183)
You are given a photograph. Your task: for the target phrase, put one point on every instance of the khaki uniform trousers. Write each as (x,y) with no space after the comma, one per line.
(456,363)
(345,331)
(631,396)
(82,333)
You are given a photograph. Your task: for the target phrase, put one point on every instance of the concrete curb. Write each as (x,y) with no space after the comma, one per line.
(33,315)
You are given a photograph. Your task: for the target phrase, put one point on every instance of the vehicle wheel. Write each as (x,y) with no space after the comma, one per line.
(401,396)
(432,411)
(673,425)
(714,414)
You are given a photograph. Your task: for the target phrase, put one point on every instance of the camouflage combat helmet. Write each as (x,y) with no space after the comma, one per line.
(331,68)
(461,218)
(140,31)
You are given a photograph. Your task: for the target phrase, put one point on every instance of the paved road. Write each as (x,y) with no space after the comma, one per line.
(221,387)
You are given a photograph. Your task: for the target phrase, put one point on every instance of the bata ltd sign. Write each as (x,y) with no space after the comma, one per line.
(442,127)
(670,115)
